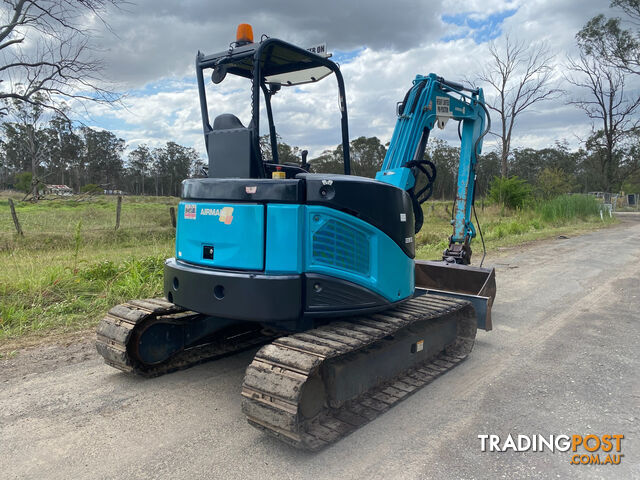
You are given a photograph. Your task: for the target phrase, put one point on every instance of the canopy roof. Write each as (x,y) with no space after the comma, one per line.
(280,62)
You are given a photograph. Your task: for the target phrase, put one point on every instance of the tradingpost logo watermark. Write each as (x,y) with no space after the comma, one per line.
(586,449)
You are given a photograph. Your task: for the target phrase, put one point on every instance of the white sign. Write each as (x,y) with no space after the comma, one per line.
(320,49)
(442,107)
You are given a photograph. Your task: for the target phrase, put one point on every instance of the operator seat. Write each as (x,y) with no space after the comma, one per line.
(230,149)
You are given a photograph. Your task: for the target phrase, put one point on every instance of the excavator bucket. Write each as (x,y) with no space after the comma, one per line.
(475,284)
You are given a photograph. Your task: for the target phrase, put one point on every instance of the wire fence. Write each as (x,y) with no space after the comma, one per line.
(618,202)
(65,217)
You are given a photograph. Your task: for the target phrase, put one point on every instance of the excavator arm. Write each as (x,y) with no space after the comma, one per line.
(432,101)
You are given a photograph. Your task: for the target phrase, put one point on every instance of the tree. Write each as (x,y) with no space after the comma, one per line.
(286,153)
(445,158)
(102,157)
(4,167)
(23,182)
(140,161)
(552,182)
(198,168)
(631,182)
(528,163)
(46,53)
(512,192)
(487,168)
(609,40)
(366,155)
(27,135)
(520,76)
(611,109)
(64,146)
(328,162)
(173,163)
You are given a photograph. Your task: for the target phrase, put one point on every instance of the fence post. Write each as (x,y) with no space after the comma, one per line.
(172,212)
(16,222)
(118,208)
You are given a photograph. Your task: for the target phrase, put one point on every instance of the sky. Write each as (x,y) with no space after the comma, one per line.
(381,45)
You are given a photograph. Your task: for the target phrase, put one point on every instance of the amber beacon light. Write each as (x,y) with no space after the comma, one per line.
(244,33)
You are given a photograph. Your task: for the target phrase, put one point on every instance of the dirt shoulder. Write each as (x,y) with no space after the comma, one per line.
(39,354)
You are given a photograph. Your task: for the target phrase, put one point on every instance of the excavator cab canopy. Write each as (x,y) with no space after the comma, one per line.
(281,63)
(270,65)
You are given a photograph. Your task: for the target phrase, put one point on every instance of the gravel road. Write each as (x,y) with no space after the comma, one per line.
(562,359)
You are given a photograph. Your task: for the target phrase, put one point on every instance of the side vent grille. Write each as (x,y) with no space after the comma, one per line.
(338,245)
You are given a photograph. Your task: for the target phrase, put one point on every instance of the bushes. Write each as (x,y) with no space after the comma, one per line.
(23,181)
(91,188)
(511,192)
(552,182)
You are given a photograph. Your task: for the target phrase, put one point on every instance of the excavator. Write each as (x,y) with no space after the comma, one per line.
(318,269)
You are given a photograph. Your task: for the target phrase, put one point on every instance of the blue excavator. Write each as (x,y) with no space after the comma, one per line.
(319,269)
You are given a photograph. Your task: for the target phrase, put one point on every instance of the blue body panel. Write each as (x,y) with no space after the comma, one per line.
(236,231)
(401,177)
(285,234)
(299,239)
(378,264)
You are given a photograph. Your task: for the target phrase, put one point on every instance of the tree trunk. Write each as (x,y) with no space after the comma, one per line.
(504,155)
(34,162)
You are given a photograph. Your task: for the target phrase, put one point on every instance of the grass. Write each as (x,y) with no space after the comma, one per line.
(72,266)
(567,214)
(569,207)
(50,223)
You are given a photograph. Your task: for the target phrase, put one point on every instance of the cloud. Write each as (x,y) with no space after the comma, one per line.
(158,38)
(381,46)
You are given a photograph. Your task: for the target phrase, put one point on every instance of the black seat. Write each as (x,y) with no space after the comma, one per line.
(231,154)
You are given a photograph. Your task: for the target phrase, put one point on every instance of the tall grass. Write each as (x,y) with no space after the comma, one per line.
(569,207)
(504,226)
(59,297)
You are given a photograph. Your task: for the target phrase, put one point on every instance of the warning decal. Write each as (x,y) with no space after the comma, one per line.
(442,106)
(190,211)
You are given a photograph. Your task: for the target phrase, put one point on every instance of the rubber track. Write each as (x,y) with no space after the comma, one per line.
(120,325)
(275,380)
